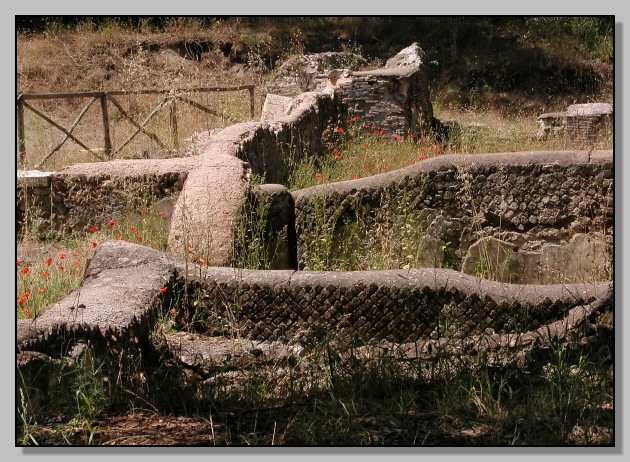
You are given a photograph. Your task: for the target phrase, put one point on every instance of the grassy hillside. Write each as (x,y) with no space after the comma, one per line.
(478,59)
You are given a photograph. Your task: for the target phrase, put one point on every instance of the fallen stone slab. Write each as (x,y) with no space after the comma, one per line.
(114,303)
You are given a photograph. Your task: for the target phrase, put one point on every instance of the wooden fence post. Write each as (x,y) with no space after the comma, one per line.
(106,137)
(251,101)
(173,122)
(20,134)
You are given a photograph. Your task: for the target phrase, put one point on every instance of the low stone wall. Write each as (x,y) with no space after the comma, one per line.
(581,122)
(398,305)
(292,306)
(72,199)
(527,199)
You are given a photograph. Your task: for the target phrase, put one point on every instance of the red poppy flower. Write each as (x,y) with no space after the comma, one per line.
(93,228)
(27,312)
(355,177)
(356,117)
(60,266)
(138,238)
(420,157)
(45,274)
(134,230)
(26,270)
(62,255)
(42,290)
(142,210)
(19,263)
(161,213)
(173,312)
(339,130)
(94,244)
(76,263)
(335,152)
(48,261)
(318,176)
(111,223)
(367,126)
(163,290)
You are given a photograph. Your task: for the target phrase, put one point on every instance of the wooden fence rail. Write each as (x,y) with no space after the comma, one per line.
(169,99)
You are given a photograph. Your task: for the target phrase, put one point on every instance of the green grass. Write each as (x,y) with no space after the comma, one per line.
(48,278)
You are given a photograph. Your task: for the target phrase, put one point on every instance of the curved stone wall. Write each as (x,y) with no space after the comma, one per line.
(524,198)
(292,306)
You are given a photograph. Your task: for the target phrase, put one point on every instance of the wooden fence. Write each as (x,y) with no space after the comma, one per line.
(171,96)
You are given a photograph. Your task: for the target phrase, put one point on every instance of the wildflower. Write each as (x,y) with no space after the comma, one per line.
(433,146)
(60,266)
(161,213)
(93,228)
(139,238)
(163,290)
(94,244)
(173,312)
(335,152)
(366,168)
(355,177)
(356,117)
(367,126)
(134,230)
(142,210)
(75,254)
(62,255)
(423,149)
(76,263)
(398,138)
(26,296)
(27,312)
(45,274)
(365,145)
(339,130)
(42,290)
(111,223)
(420,157)
(48,261)
(26,270)
(19,263)
(318,176)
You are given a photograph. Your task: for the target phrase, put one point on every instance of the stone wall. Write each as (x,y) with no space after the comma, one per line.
(581,122)
(393,100)
(397,306)
(71,200)
(527,199)
(291,306)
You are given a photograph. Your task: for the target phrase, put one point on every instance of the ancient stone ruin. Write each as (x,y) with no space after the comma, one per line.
(583,122)
(540,222)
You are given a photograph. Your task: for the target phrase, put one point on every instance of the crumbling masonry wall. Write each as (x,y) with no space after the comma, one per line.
(72,199)
(525,199)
